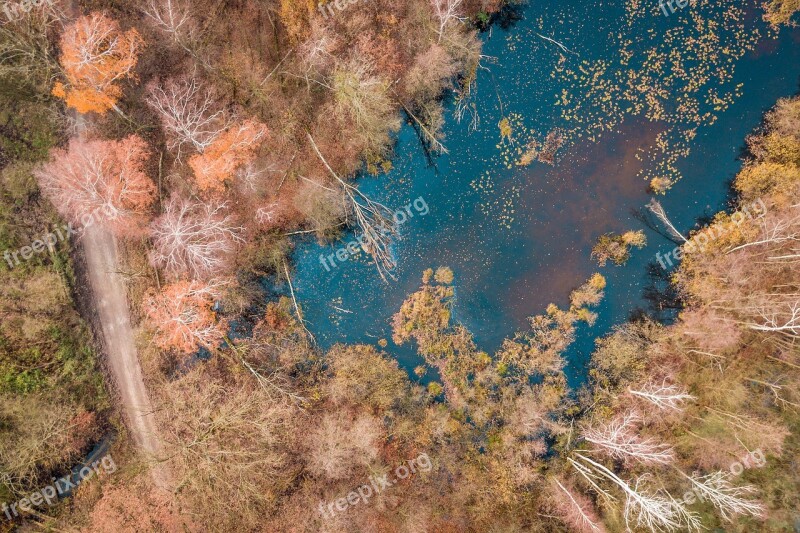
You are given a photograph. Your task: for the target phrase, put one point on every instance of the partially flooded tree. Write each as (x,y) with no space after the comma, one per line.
(373,218)
(194,238)
(96,55)
(660,213)
(617,248)
(100,178)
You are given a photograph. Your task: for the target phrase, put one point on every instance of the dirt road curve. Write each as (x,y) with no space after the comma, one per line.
(111,306)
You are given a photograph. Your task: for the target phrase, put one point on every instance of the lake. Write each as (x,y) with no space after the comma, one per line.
(519,237)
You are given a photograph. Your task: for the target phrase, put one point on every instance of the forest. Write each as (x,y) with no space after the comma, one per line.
(192,142)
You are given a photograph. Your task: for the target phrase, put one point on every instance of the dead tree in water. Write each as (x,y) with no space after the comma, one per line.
(658,210)
(375,220)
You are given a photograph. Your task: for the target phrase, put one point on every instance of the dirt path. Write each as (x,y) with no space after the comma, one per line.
(114,319)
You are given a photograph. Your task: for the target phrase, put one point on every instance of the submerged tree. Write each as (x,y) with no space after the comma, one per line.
(661,214)
(616,248)
(373,218)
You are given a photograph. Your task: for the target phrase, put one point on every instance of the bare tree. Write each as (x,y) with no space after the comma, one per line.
(658,210)
(576,510)
(230,446)
(663,396)
(189,114)
(775,231)
(174,19)
(194,238)
(93,176)
(657,511)
(316,55)
(95,55)
(446,12)
(727,498)
(339,444)
(182,315)
(25,50)
(784,320)
(373,218)
(620,439)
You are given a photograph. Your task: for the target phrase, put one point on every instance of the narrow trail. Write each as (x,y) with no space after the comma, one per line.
(113,314)
(110,303)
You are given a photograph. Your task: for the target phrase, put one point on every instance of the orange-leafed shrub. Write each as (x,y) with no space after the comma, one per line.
(183,317)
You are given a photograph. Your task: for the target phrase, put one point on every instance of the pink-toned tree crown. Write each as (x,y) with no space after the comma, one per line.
(194,238)
(105,180)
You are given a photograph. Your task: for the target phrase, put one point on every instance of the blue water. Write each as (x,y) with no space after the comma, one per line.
(519,238)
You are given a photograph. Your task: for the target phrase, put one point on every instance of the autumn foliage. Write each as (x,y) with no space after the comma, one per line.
(100,178)
(182,315)
(229,151)
(96,55)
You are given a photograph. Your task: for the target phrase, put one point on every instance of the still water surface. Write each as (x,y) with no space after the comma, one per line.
(520,237)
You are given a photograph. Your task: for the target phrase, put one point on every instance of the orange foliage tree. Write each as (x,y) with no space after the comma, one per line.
(230,150)
(183,316)
(100,178)
(95,55)
(296,17)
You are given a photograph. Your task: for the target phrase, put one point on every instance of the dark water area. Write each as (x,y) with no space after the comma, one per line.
(520,237)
